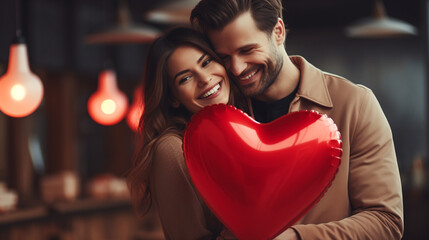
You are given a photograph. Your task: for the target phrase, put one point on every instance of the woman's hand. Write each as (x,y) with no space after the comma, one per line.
(225,234)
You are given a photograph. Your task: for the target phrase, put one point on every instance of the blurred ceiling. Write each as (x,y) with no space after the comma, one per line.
(320,13)
(339,13)
(56,29)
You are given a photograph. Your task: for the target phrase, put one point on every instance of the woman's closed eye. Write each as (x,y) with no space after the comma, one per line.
(184,79)
(206,61)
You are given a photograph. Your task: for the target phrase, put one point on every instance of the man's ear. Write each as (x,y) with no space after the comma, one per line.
(279,32)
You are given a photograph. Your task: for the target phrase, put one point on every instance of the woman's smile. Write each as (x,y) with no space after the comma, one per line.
(212,92)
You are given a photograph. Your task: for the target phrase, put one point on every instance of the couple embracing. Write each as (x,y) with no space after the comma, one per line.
(236,54)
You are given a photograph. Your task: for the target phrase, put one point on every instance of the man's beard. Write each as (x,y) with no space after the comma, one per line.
(270,72)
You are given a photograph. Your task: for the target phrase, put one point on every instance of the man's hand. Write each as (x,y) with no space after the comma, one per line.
(289,234)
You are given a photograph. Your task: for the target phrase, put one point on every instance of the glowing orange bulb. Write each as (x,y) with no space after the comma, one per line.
(17,92)
(21,91)
(136,109)
(108,105)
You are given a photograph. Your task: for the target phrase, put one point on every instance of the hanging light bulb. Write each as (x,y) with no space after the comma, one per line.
(21,91)
(177,12)
(136,109)
(108,105)
(380,25)
(124,31)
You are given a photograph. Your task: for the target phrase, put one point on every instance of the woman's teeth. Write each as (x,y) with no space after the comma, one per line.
(211,91)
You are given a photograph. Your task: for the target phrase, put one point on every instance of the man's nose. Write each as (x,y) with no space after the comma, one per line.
(237,65)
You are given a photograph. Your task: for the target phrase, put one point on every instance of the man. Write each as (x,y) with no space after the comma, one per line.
(365,199)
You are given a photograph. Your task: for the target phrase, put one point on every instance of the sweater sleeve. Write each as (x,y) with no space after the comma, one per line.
(182,213)
(374,183)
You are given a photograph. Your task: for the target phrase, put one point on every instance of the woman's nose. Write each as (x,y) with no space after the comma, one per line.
(204,79)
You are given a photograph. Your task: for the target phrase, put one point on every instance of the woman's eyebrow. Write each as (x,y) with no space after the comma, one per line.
(181,72)
(201,58)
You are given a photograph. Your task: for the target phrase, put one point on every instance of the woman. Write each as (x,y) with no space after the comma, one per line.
(182,75)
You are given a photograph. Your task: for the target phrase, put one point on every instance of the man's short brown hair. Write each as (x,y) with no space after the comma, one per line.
(216,14)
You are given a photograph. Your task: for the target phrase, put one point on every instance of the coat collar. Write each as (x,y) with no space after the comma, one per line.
(312,84)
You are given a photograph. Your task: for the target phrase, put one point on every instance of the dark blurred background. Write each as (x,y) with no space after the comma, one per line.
(395,68)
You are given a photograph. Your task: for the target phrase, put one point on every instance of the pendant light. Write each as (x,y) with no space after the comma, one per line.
(136,109)
(380,25)
(108,105)
(124,31)
(21,91)
(177,12)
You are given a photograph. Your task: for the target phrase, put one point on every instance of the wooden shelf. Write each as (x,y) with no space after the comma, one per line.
(23,215)
(47,211)
(90,205)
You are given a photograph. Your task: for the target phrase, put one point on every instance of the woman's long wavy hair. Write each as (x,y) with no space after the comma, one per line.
(160,117)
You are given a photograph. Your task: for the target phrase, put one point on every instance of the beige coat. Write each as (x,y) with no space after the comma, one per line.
(364,201)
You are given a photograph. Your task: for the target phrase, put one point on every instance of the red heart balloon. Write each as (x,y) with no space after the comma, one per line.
(259,179)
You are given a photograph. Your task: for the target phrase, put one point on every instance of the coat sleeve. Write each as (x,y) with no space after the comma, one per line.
(182,213)
(374,183)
